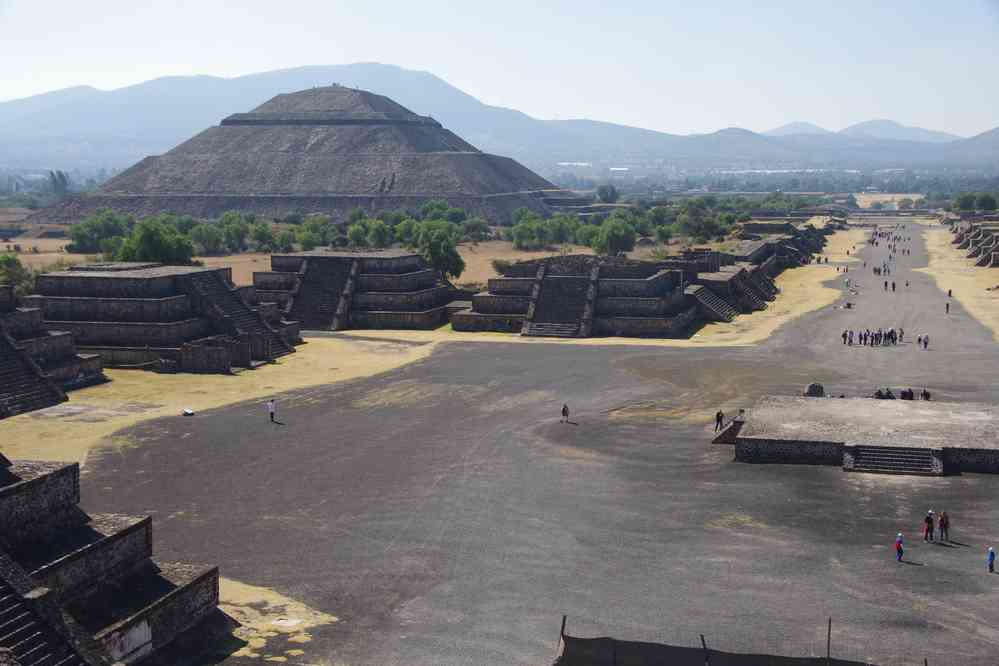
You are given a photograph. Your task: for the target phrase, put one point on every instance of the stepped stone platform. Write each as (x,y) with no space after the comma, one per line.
(37,365)
(583,296)
(169,318)
(979,238)
(341,289)
(869,435)
(80,589)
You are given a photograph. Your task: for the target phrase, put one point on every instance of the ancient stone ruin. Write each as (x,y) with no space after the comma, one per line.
(37,365)
(173,318)
(337,290)
(81,589)
(582,296)
(980,237)
(324,150)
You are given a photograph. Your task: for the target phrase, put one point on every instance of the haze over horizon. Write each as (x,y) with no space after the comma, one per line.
(683,71)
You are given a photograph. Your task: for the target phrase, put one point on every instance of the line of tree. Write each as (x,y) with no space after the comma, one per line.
(434,230)
(972,201)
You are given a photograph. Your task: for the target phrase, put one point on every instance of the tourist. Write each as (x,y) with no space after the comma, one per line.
(719,420)
(919,341)
(943,526)
(844,337)
(947,308)
(901,335)
(899,551)
(893,286)
(926,342)
(925,395)
(991,559)
(565,414)
(270,409)
(948,293)
(928,526)
(886,285)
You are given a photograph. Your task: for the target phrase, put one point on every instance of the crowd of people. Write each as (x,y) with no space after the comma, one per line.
(874,338)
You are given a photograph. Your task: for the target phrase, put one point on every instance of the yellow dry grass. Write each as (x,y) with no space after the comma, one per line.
(971,285)
(264,614)
(851,240)
(243,265)
(866,199)
(68,432)
(478,258)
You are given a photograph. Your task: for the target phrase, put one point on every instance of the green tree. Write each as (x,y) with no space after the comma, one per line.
(986,201)
(235,229)
(585,234)
(614,237)
(435,209)
(664,233)
(475,229)
(965,201)
(357,234)
(209,238)
(561,228)
(405,231)
(356,215)
(904,203)
(309,240)
(88,235)
(607,194)
(263,236)
(152,240)
(439,248)
(285,241)
(379,234)
(13,272)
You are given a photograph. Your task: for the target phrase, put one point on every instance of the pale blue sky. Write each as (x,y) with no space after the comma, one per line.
(675,67)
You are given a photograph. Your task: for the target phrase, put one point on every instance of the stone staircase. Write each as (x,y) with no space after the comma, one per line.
(892,460)
(764,284)
(747,295)
(245,318)
(711,303)
(23,387)
(318,297)
(550,330)
(28,637)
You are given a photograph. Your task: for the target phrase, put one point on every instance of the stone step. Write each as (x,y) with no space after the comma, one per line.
(551,330)
(28,637)
(894,460)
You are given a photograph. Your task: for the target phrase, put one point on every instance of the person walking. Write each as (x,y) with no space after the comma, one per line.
(844,337)
(949,294)
(893,286)
(270,409)
(926,342)
(947,308)
(919,341)
(928,526)
(565,413)
(990,558)
(886,285)
(719,420)
(943,526)
(899,550)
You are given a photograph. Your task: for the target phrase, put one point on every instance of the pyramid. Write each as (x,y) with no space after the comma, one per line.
(325,150)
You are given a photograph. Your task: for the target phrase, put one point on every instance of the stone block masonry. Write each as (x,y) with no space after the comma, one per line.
(159,317)
(392,289)
(120,605)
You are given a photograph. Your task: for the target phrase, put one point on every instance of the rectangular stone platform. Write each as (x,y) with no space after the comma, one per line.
(959,437)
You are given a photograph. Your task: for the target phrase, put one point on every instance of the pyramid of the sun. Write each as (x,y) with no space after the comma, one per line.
(325,150)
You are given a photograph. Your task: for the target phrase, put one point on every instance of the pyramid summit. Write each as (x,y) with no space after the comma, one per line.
(323,150)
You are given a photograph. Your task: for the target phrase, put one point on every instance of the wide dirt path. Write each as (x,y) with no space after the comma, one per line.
(443,513)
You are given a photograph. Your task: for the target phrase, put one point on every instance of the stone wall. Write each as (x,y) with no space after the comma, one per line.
(73,574)
(429,319)
(414,300)
(25,504)
(410,281)
(511,286)
(274,281)
(73,308)
(501,304)
(758,450)
(62,284)
(23,323)
(655,285)
(132,357)
(162,334)
(984,461)
(639,327)
(466,320)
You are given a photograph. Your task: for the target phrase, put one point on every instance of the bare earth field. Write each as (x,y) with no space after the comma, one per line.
(243,265)
(478,258)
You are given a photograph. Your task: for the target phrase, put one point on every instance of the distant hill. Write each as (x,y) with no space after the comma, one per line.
(889,129)
(87,128)
(795,128)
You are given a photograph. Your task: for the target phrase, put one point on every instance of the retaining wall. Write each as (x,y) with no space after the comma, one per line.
(753,450)
(134,334)
(79,308)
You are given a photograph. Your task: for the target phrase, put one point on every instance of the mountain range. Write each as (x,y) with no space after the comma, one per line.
(86,128)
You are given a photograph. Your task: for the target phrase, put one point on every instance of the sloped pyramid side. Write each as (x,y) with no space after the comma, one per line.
(321,150)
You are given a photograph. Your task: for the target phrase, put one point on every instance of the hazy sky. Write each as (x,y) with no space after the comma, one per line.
(675,67)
